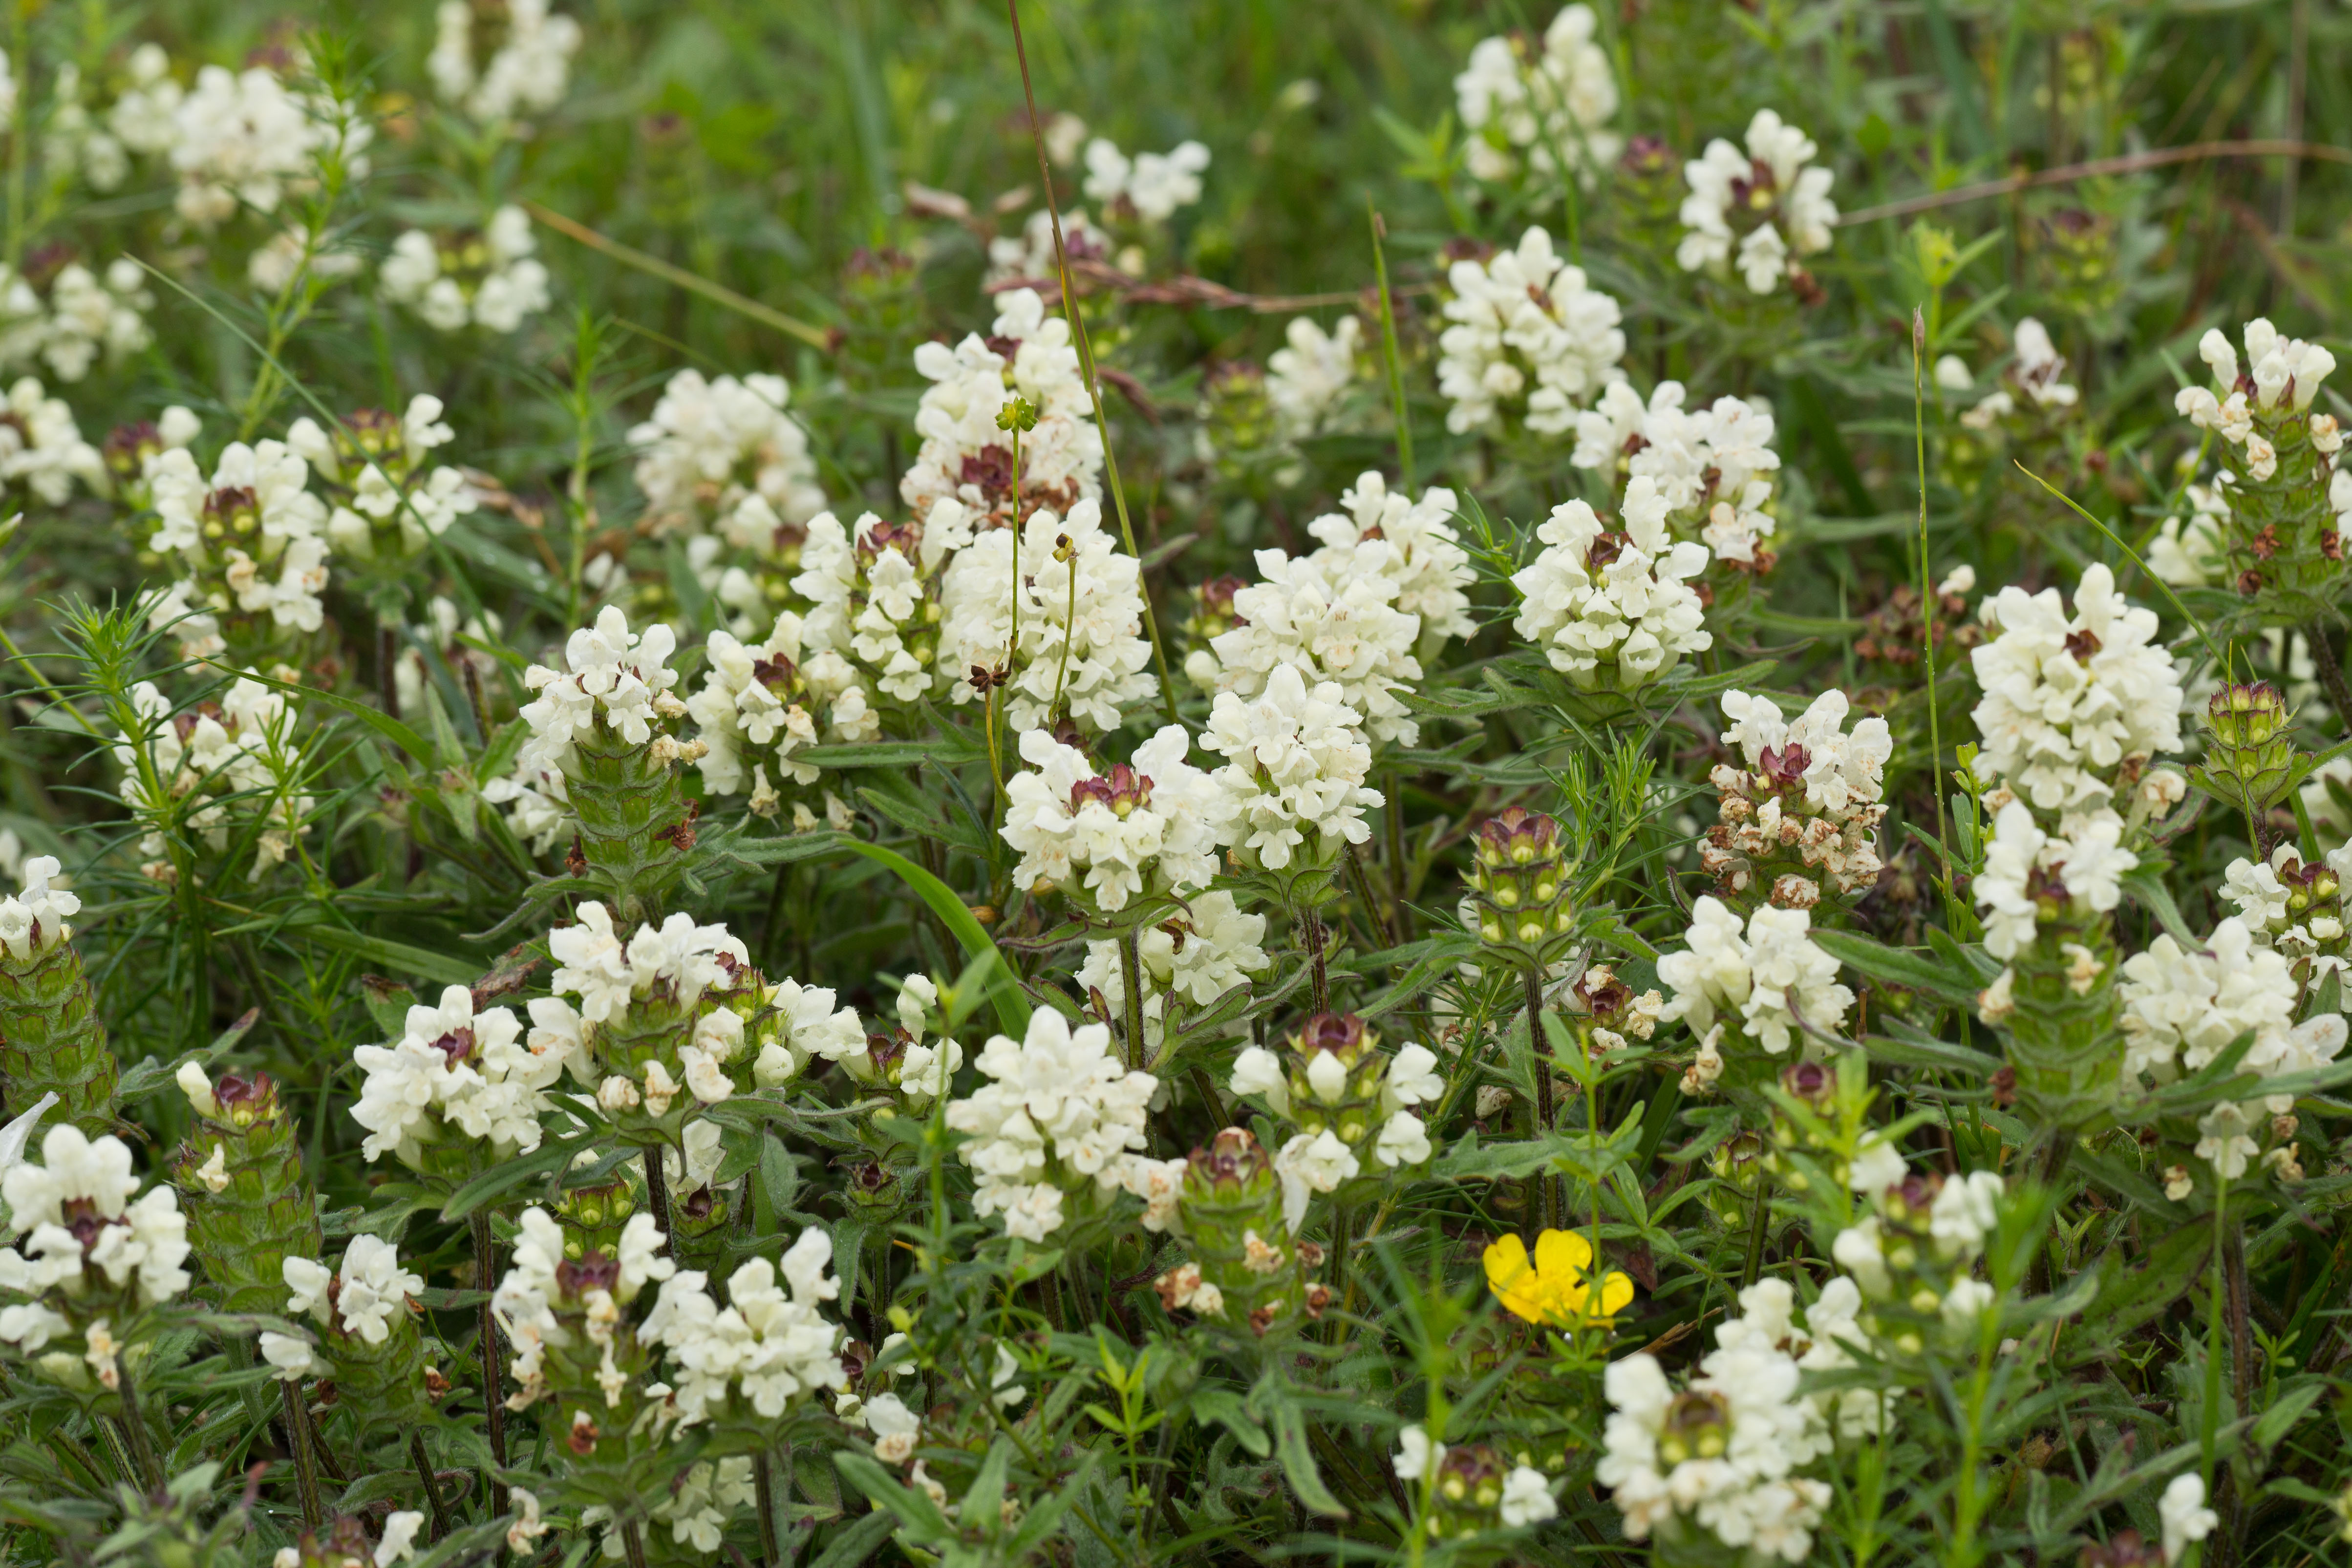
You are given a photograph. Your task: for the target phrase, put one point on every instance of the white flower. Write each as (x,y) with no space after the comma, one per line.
(1527,1497)
(1966,1211)
(770,1342)
(1151,827)
(2185,1517)
(1332,617)
(749,714)
(723,454)
(868,628)
(612,678)
(1306,379)
(373,1287)
(292,1358)
(895,1428)
(803,1023)
(1612,606)
(2069,698)
(1311,1163)
(526,74)
(1770,979)
(1028,257)
(1417,1457)
(35,920)
(239,139)
(1297,762)
(1154,184)
(399,1542)
(1877,1164)
(964,456)
(42,448)
(2039,367)
(1057,1107)
(490,279)
(1526,331)
(2024,867)
(146,1240)
(2181,1008)
(1195,956)
(1064,620)
(1542,105)
(1713,467)
(453,1068)
(1772,201)
(1403,1140)
(2226,1143)
(1257,1071)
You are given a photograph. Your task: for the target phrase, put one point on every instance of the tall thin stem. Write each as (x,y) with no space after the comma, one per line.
(1389,352)
(1310,931)
(2331,673)
(134,1428)
(1546,1113)
(658,1195)
(1759,1224)
(1130,974)
(1927,592)
(763,1481)
(1087,356)
(423,1463)
(485,1274)
(306,1464)
(633,1540)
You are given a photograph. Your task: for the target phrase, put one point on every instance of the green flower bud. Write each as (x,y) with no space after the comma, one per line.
(249,1205)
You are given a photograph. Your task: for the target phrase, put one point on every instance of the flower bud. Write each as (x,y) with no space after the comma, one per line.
(249,1205)
(2250,747)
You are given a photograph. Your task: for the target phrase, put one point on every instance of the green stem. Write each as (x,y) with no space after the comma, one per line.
(1130,966)
(134,1426)
(306,1466)
(423,1463)
(1759,1224)
(1546,1112)
(1927,596)
(657,1195)
(485,1278)
(763,1481)
(1394,360)
(633,1541)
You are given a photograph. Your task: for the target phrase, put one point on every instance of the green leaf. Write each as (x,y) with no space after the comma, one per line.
(1011,1007)
(913,1511)
(397,955)
(855,1544)
(508,1174)
(2287,1409)
(1225,1407)
(383,724)
(388,1002)
(153,1076)
(1291,1447)
(1909,967)
(2147,890)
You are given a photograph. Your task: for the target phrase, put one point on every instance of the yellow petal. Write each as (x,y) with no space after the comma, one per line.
(1616,1291)
(1514,1283)
(1562,1254)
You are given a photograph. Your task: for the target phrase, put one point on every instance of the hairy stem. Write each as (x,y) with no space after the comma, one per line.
(1130,966)
(2331,674)
(763,1481)
(484,1272)
(657,1195)
(1548,1199)
(423,1463)
(306,1466)
(134,1428)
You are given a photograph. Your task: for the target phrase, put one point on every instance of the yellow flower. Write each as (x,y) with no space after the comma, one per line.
(1553,1289)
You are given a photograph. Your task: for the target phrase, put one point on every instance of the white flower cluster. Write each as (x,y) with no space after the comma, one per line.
(2026,868)
(1195,956)
(1612,608)
(1526,331)
(41,447)
(965,456)
(34,920)
(1423,557)
(2181,1008)
(526,74)
(2070,699)
(1309,376)
(918,1060)
(73,1213)
(525,1300)
(1772,202)
(1712,466)
(1724,1452)
(748,711)
(488,279)
(455,1068)
(772,1342)
(82,318)
(241,748)
(1059,1096)
(2035,374)
(1774,981)
(1153,826)
(1965,1211)
(612,677)
(2281,378)
(1546,107)
(1526,1497)
(392,492)
(723,453)
(1332,617)
(802,1024)
(362,1299)
(2267,895)
(1808,790)
(677,962)
(239,139)
(872,615)
(1151,185)
(1296,763)
(1061,614)
(251,538)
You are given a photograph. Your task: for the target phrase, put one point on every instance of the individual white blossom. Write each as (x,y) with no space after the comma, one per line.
(1758,210)
(1057,1107)
(804,1025)
(1713,467)
(1194,956)
(2187,551)
(34,920)
(723,455)
(770,1340)
(1525,332)
(1063,616)
(1151,185)
(1612,606)
(1152,826)
(1311,1163)
(754,713)
(2183,1512)
(489,278)
(526,73)
(1541,103)
(2070,697)
(73,1213)
(1768,984)
(1296,765)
